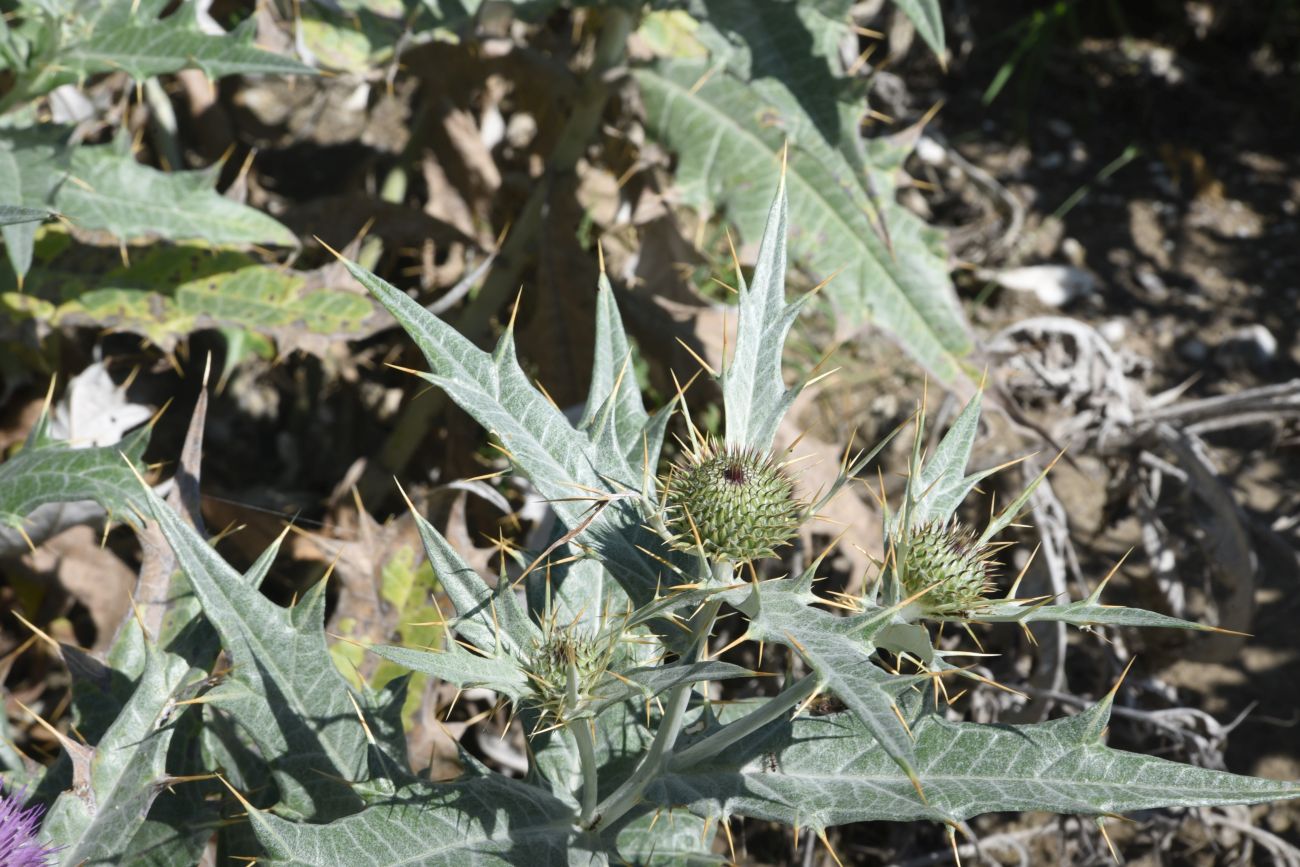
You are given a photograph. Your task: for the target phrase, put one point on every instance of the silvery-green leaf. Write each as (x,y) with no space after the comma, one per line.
(821,771)
(33,162)
(143,48)
(839,650)
(784,52)
(127,771)
(384,713)
(783,48)
(753,391)
(936,491)
(14,772)
(910,638)
(130,760)
(927,17)
(13,214)
(1085,612)
(130,705)
(116,194)
(179,824)
(668,839)
(49,471)
(491,620)
(539,439)
(283,688)
(461,667)
(177,835)
(482,820)
(225,745)
(621,411)
(127,35)
(728,135)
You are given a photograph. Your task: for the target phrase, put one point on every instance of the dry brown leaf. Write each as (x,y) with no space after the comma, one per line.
(359,546)
(445,201)
(94,576)
(462,134)
(158,559)
(848,513)
(19,422)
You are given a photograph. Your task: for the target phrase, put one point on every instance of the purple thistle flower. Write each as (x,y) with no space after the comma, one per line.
(18,825)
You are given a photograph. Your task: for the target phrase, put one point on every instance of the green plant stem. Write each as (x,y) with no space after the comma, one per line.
(746,725)
(586,749)
(628,795)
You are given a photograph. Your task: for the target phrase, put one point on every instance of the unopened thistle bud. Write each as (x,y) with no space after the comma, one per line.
(735,503)
(950,560)
(566,660)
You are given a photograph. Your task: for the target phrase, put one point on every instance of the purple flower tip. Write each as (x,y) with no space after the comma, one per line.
(18,826)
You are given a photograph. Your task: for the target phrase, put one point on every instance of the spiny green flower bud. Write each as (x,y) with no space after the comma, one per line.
(953,558)
(736,503)
(565,659)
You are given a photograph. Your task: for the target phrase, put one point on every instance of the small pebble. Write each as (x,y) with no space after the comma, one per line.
(1194,349)
(1054,285)
(1253,344)
(1073,251)
(931,152)
(1113,330)
(1149,280)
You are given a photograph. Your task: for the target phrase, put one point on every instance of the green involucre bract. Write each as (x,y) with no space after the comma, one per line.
(737,504)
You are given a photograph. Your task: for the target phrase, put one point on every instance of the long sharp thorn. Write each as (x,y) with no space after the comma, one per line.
(28,539)
(1114,690)
(37,632)
(735,260)
(898,713)
(1101,826)
(698,360)
(916,784)
(821,835)
(362,719)
(1096,593)
(452,706)
(1011,594)
(740,639)
(952,841)
(514,311)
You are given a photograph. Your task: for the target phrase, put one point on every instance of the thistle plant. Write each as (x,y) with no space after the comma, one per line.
(599,644)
